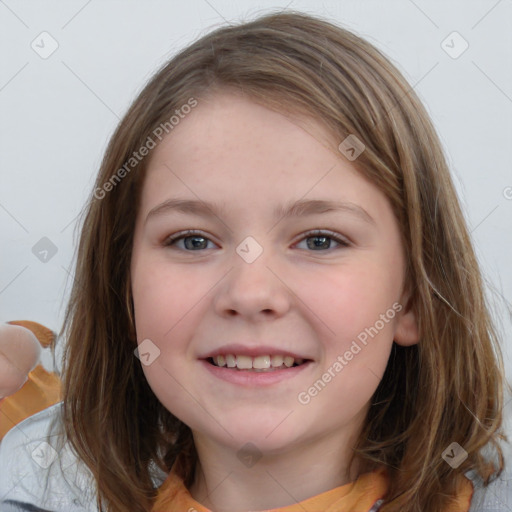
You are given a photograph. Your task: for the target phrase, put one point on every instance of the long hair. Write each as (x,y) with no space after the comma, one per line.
(447,388)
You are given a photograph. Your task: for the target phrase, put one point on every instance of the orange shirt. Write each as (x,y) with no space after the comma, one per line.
(358,496)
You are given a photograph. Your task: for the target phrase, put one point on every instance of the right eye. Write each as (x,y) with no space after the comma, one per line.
(194,240)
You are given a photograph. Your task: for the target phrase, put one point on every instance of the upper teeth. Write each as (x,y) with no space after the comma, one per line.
(259,362)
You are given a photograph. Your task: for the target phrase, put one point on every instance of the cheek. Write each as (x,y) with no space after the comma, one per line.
(356,308)
(160,308)
(161,296)
(353,298)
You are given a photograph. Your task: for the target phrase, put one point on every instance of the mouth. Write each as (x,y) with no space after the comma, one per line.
(258,364)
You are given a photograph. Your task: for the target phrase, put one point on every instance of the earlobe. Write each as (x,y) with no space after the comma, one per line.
(406,329)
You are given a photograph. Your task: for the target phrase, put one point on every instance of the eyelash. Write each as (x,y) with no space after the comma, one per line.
(169,241)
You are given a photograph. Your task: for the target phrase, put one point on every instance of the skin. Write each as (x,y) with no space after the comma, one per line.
(309,301)
(20,351)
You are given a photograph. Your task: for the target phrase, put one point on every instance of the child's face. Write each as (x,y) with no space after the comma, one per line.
(304,294)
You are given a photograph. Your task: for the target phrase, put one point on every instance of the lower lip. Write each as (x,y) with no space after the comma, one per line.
(252,378)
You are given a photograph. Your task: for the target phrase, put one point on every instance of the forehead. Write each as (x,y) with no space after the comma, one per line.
(230,120)
(231,149)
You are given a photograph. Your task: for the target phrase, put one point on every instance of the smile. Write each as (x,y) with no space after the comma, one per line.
(264,363)
(236,370)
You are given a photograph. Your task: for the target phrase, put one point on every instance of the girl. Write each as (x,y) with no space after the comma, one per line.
(276,304)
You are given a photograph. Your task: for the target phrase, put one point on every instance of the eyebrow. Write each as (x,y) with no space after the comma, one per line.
(300,208)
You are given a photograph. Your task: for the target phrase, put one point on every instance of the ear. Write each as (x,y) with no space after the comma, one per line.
(406,327)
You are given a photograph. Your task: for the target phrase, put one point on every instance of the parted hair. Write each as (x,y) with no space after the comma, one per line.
(447,388)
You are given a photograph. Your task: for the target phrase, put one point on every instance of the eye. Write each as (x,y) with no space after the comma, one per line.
(194,238)
(321,240)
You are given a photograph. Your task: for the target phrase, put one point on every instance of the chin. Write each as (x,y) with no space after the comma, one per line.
(267,439)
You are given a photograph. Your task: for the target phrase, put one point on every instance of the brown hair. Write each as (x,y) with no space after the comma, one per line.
(447,388)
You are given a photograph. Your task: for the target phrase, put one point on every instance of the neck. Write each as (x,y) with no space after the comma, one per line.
(224,484)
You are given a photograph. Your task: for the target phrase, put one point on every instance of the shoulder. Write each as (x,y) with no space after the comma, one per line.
(496,497)
(39,471)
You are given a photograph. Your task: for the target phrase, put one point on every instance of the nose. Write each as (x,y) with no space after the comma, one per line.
(253,290)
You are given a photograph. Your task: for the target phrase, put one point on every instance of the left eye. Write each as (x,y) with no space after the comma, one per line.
(322,240)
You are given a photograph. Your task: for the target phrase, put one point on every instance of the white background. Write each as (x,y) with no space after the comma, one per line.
(56,115)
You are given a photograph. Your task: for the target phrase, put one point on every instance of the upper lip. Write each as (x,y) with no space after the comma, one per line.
(260,350)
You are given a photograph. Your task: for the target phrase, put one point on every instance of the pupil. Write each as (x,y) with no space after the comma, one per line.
(194,239)
(323,241)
